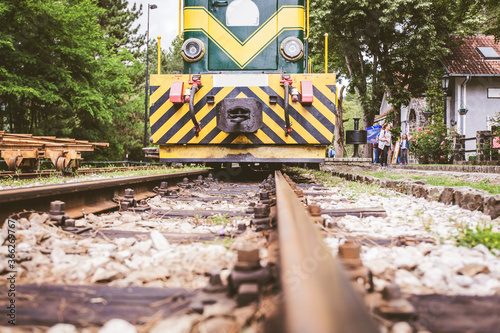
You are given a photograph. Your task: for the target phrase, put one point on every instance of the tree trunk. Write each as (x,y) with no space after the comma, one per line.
(339,127)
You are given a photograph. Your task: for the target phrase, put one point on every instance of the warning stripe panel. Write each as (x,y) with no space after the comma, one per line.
(311,124)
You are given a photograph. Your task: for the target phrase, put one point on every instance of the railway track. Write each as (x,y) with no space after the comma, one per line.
(81,171)
(206,256)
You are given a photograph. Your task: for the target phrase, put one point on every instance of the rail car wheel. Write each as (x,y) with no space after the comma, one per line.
(12,163)
(66,168)
(18,163)
(60,162)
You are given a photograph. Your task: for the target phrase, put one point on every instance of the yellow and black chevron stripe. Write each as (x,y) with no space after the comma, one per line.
(199,19)
(311,124)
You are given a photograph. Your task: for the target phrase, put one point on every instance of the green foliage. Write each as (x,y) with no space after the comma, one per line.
(481,235)
(387,44)
(491,23)
(220,219)
(432,144)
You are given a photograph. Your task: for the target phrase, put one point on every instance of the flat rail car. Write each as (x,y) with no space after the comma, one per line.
(246,95)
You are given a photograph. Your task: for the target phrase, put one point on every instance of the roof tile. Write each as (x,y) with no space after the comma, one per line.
(466,58)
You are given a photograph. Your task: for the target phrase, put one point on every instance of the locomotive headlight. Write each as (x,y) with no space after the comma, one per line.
(292,49)
(193,50)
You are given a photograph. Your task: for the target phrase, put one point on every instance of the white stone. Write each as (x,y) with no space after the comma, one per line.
(483,249)
(406,279)
(130,218)
(401,327)
(125,242)
(434,279)
(62,328)
(38,219)
(463,281)
(142,247)
(101,250)
(81,223)
(159,241)
(24,247)
(122,255)
(58,256)
(118,326)
(178,324)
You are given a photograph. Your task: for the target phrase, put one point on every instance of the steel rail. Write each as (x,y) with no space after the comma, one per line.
(93,196)
(53,172)
(318,297)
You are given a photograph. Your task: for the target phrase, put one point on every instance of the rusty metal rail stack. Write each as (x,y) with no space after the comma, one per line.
(24,151)
(318,295)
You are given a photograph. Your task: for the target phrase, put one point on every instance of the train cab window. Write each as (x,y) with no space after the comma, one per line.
(242,13)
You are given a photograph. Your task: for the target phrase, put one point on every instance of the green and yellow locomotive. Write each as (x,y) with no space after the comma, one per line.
(245,95)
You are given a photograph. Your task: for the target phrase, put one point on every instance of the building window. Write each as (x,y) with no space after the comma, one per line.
(242,13)
(493,92)
(412,117)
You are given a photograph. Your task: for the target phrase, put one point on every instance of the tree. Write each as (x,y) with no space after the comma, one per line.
(63,74)
(387,44)
(491,12)
(116,21)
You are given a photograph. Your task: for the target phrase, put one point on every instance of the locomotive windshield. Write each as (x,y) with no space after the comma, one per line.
(241,13)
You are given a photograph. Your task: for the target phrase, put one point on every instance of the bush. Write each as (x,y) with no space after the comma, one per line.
(432,144)
(481,235)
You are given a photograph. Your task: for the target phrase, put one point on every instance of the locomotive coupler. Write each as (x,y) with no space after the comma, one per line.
(286,81)
(195,85)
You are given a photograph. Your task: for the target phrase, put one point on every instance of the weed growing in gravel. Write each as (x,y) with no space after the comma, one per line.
(225,241)
(322,177)
(480,235)
(220,219)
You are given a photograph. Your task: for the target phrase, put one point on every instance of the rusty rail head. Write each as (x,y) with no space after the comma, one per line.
(318,297)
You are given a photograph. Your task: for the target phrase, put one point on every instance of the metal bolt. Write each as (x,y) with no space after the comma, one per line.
(57,207)
(185,181)
(264,195)
(314,210)
(247,293)
(349,250)
(242,226)
(261,210)
(391,292)
(164,185)
(215,279)
(69,225)
(210,178)
(129,193)
(248,259)
(200,177)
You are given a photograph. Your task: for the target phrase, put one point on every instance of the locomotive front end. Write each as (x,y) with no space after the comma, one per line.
(244,96)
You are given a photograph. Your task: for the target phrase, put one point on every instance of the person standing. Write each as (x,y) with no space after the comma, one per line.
(384,143)
(404,149)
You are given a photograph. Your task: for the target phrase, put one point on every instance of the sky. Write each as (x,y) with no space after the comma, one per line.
(163,21)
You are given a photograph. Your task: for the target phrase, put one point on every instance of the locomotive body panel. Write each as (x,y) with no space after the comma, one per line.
(243,97)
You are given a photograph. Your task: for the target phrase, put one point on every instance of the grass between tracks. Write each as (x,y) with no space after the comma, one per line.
(12,182)
(438,181)
(349,189)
